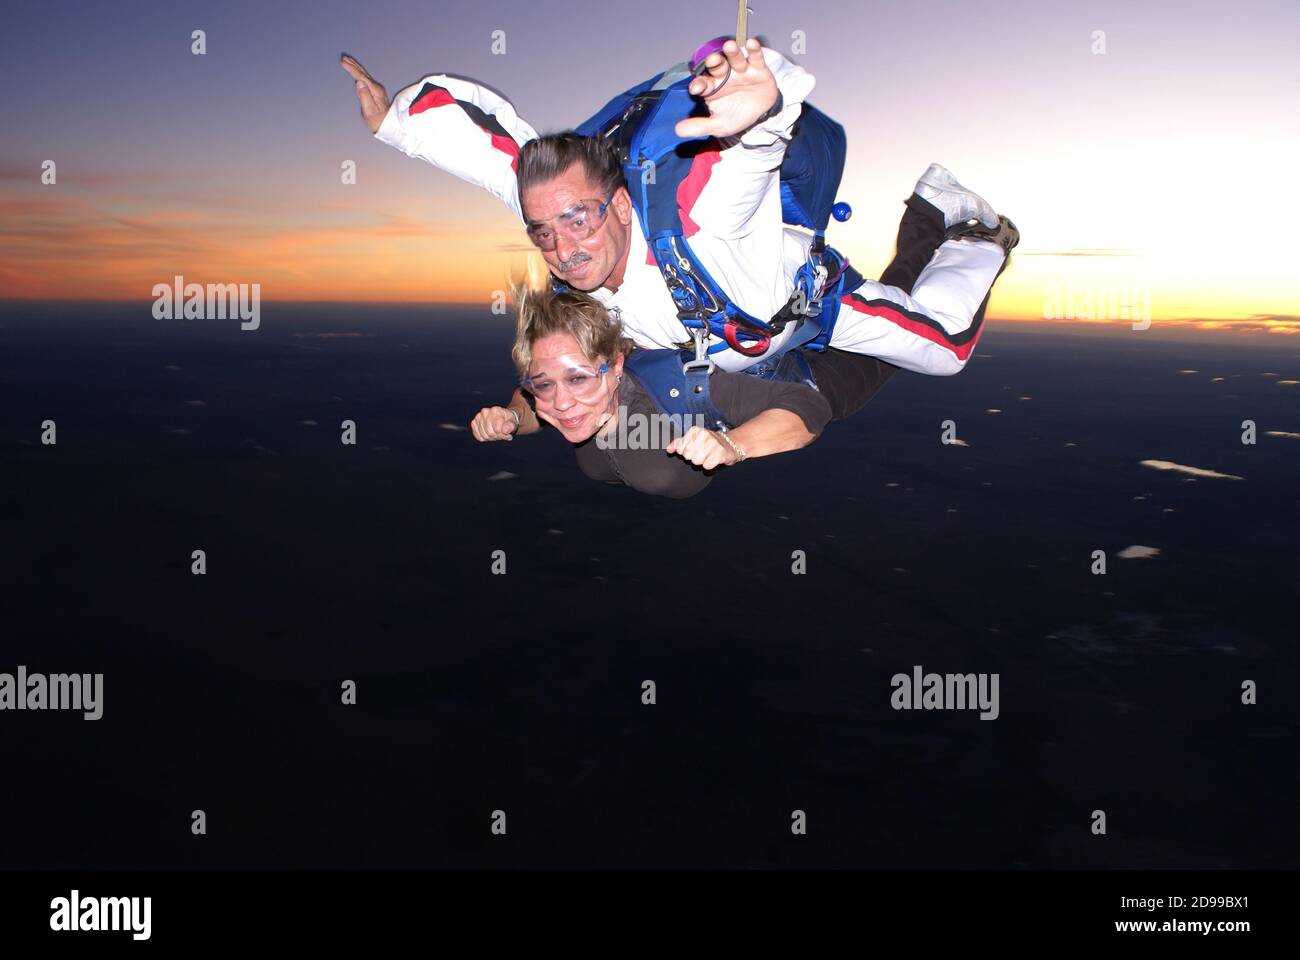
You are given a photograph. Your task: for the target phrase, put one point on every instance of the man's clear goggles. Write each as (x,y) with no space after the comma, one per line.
(576,224)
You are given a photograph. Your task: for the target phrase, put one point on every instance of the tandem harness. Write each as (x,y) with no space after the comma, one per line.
(639,123)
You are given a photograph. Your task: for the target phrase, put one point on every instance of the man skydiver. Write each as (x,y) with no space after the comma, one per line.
(570,192)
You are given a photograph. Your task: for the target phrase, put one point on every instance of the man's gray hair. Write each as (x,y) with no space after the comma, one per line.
(545,158)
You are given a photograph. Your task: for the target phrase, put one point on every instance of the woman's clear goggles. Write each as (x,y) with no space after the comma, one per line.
(581,381)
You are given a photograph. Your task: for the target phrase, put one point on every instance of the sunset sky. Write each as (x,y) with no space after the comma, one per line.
(1159,172)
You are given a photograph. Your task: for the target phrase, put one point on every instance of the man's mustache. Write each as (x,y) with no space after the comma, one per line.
(577,260)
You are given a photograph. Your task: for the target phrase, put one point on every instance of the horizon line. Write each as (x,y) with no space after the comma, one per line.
(1107,322)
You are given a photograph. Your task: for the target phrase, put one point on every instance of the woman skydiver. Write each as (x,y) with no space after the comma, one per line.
(572,360)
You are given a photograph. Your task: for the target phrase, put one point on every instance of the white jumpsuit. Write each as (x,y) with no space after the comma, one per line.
(730,205)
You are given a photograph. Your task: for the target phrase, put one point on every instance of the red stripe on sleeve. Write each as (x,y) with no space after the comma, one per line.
(507,146)
(437,97)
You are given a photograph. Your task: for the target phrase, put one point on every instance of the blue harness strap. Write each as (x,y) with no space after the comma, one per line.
(640,124)
(789,362)
(677,386)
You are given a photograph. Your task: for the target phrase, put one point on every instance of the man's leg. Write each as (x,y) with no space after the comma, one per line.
(932,326)
(920,234)
(849,380)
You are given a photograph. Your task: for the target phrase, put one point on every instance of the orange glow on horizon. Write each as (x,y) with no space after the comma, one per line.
(462,252)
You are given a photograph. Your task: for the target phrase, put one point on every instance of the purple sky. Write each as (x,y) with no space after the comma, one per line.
(1188,120)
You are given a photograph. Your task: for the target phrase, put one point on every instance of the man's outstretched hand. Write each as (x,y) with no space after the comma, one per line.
(371,93)
(749,92)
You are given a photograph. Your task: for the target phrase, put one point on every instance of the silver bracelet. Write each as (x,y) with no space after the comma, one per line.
(519,422)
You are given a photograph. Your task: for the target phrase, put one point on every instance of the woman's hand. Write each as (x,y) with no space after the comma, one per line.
(494,423)
(704,448)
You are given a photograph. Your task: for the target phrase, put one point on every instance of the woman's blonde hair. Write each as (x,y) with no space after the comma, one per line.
(540,312)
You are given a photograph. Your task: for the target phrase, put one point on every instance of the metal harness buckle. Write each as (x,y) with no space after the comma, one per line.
(700,335)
